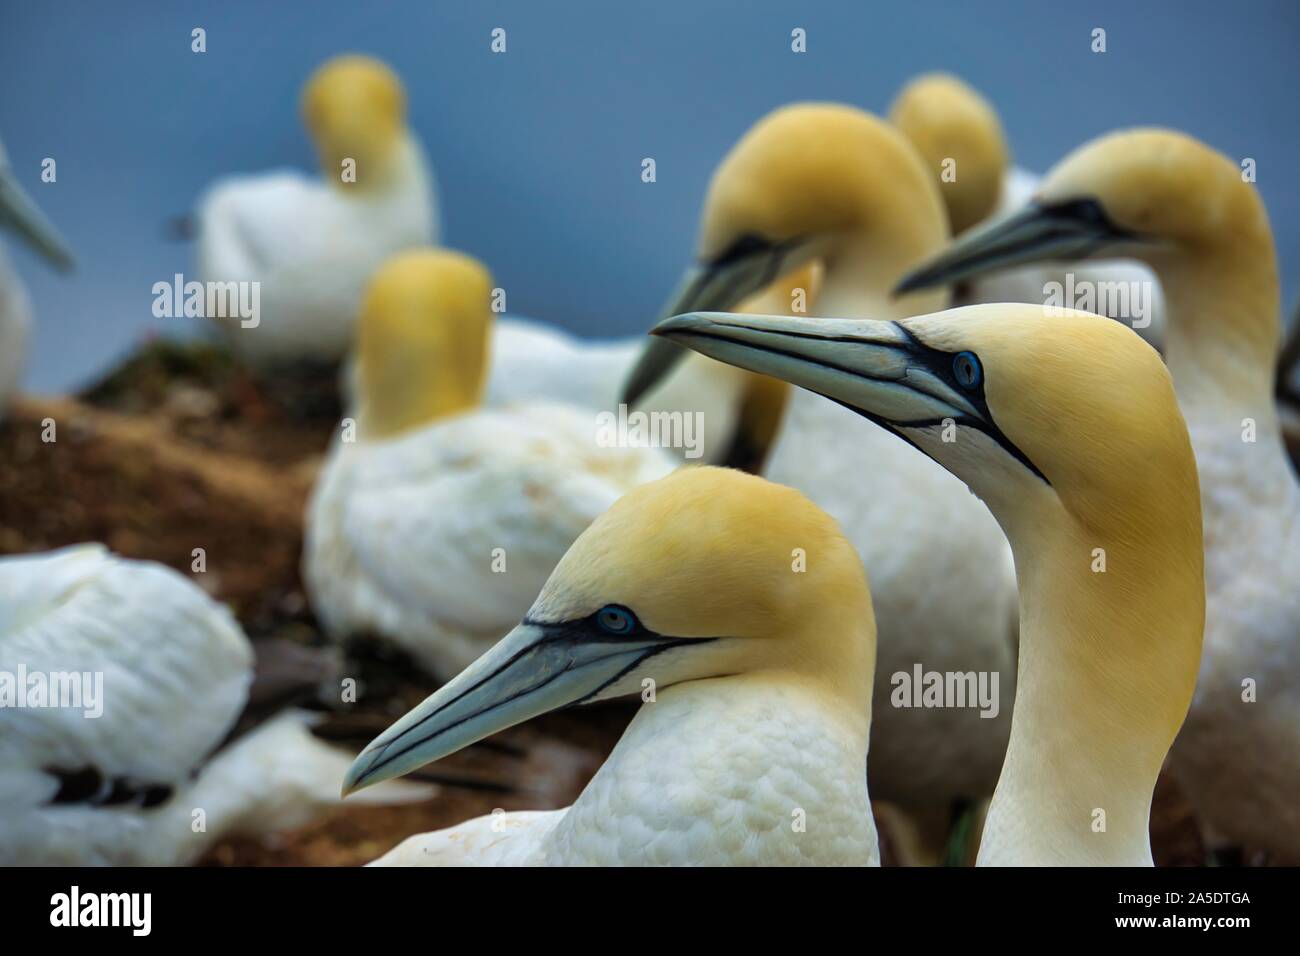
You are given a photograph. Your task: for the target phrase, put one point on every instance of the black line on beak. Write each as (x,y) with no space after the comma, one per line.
(925,355)
(572,632)
(1082,221)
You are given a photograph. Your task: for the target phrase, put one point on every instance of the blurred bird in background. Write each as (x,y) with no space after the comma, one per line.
(20,217)
(312,242)
(161,773)
(435,525)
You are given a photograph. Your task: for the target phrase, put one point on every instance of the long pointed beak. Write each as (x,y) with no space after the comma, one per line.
(19,213)
(1037,233)
(873,367)
(713,287)
(534,669)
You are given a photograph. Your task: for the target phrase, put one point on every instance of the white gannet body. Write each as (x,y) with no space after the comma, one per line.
(959,135)
(855,195)
(754,746)
(1070,431)
(124,771)
(534,362)
(19,215)
(1184,210)
(436,527)
(311,242)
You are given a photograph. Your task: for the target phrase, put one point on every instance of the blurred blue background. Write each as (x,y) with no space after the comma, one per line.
(538,151)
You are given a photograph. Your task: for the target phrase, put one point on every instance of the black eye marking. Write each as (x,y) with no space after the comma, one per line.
(945,366)
(617,620)
(1081,210)
(749,244)
(1090,212)
(967,371)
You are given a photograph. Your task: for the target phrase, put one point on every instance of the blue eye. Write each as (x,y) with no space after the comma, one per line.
(966,370)
(613,619)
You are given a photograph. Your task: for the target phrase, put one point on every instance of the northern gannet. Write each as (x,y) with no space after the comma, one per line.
(1068,428)
(751,747)
(832,183)
(311,242)
(438,524)
(959,135)
(1182,208)
(150,675)
(19,215)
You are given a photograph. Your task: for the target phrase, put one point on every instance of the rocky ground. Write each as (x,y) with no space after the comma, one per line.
(178,450)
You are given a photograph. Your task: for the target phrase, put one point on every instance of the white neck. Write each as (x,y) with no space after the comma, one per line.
(762,768)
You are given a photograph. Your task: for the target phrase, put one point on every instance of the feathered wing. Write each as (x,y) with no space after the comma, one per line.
(167,671)
(174,665)
(442,539)
(125,777)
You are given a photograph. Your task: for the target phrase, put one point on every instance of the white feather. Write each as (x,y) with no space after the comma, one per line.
(176,670)
(312,248)
(402,535)
(713,773)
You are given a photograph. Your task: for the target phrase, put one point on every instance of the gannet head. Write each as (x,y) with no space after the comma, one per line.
(952,126)
(1150,194)
(707,573)
(1070,410)
(422,340)
(809,181)
(355,109)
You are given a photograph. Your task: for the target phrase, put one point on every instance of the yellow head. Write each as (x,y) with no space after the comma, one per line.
(1155,195)
(1162,185)
(1081,400)
(1020,401)
(958,134)
(707,573)
(813,181)
(828,177)
(716,553)
(355,109)
(422,340)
